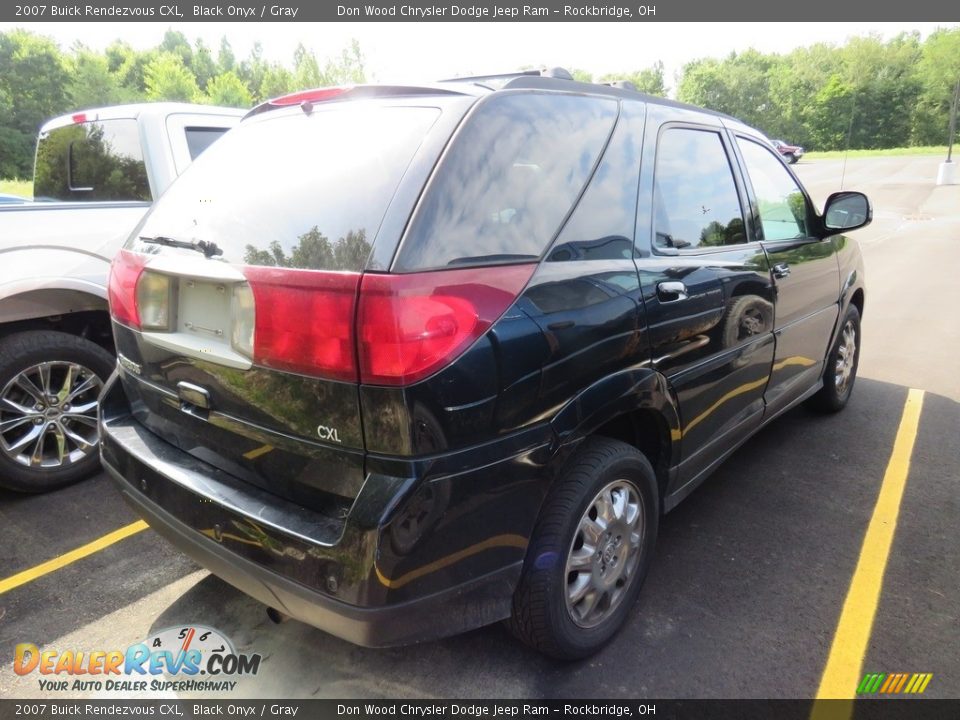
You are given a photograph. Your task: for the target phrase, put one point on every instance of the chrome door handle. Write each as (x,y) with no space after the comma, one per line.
(781,270)
(671,291)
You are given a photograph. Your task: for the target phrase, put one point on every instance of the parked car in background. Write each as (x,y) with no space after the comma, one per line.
(96,174)
(453,361)
(791,153)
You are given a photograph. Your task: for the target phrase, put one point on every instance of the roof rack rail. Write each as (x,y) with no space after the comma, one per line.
(554,72)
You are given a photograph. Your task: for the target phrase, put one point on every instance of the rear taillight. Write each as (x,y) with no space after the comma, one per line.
(304,321)
(405,328)
(154,301)
(412,325)
(125,271)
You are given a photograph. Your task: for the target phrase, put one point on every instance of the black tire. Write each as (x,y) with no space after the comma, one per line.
(833,396)
(541,617)
(18,354)
(790,158)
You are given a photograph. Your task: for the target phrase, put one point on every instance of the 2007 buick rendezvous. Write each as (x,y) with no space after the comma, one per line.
(403,361)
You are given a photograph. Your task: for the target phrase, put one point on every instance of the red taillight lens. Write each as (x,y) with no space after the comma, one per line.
(304,321)
(125,270)
(412,325)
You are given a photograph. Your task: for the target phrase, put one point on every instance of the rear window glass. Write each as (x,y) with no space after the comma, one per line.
(297,190)
(92,161)
(200,138)
(508,181)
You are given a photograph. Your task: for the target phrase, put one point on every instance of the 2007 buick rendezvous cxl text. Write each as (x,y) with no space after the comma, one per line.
(404,361)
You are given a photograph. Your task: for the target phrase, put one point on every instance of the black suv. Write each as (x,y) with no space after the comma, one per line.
(404,361)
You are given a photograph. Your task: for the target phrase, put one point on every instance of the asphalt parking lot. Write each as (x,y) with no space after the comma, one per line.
(747,591)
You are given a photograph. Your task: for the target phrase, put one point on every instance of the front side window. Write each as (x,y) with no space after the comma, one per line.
(92,161)
(695,196)
(784,214)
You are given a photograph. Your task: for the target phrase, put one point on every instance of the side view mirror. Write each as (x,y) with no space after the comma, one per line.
(847,211)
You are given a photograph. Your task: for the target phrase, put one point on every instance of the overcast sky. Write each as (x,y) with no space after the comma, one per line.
(399,52)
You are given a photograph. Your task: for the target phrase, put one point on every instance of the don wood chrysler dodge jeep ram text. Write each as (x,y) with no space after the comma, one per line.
(453,361)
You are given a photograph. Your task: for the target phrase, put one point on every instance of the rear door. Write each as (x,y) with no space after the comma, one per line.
(804,268)
(706,285)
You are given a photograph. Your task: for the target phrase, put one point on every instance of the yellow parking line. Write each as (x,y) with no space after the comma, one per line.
(60,561)
(842,672)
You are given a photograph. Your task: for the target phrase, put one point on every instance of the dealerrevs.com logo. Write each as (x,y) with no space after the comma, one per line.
(181,659)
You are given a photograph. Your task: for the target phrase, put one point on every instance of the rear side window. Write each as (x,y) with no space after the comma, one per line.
(200,138)
(92,161)
(695,200)
(508,181)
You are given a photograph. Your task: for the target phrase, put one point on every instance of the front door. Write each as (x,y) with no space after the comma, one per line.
(805,271)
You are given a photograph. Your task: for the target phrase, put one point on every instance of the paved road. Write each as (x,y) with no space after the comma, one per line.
(912,250)
(751,572)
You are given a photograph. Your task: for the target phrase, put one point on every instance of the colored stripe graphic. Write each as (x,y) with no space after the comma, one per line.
(894,683)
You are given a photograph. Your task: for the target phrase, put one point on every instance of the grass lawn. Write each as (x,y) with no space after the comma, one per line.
(837,154)
(24,188)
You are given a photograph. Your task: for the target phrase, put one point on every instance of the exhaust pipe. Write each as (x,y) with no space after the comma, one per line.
(276,616)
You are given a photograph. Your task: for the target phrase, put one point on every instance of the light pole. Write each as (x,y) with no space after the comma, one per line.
(947,174)
(953,119)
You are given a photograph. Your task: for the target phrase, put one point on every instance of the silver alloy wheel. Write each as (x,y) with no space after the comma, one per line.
(846,356)
(48,415)
(604,554)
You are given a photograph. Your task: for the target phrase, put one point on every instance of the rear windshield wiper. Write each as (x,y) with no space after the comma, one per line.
(208,248)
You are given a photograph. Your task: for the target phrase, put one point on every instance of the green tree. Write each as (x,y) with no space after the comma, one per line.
(649,80)
(166,78)
(91,82)
(33,85)
(937,72)
(226,60)
(582,75)
(884,81)
(203,66)
(306,69)
(127,66)
(229,90)
(793,84)
(277,80)
(738,85)
(345,69)
(253,70)
(176,43)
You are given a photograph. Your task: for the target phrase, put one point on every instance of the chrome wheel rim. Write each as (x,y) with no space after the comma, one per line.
(846,357)
(604,554)
(48,415)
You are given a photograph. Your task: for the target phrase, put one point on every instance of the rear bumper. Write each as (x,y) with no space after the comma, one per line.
(295,560)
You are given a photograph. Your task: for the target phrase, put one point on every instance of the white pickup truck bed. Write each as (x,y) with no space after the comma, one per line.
(97,173)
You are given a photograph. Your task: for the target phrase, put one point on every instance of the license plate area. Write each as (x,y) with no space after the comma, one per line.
(204,316)
(203,309)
